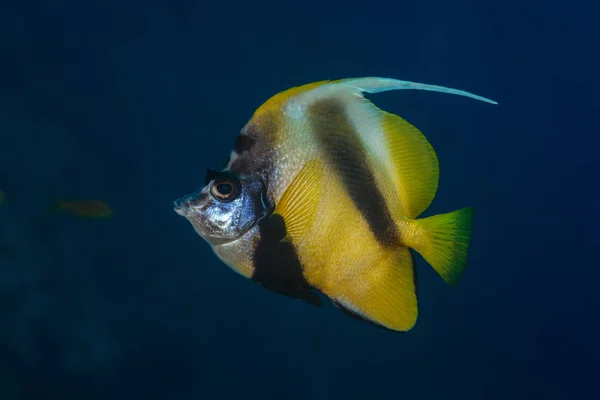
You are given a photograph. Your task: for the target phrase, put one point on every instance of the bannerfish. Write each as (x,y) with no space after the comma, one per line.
(320,197)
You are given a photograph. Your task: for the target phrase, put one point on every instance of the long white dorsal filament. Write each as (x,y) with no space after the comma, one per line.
(377,85)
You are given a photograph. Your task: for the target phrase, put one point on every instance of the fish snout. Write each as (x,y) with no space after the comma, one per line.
(182,206)
(190,204)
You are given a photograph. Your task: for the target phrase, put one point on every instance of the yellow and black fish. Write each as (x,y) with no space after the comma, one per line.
(321,194)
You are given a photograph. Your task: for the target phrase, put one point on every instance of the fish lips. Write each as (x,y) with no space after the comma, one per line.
(182,206)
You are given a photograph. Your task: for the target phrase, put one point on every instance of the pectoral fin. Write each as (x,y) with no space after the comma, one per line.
(298,204)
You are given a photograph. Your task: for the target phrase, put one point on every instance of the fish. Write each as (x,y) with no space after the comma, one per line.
(320,197)
(85,208)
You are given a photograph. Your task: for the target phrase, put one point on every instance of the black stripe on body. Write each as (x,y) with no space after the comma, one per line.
(254,146)
(343,147)
(276,264)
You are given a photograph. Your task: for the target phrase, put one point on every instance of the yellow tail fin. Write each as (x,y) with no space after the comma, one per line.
(442,240)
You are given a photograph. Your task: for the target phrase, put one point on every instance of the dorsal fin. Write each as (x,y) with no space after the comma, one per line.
(268,117)
(378,85)
(415,164)
(363,85)
(277,101)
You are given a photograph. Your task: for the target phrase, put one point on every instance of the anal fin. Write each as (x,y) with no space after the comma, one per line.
(358,317)
(384,294)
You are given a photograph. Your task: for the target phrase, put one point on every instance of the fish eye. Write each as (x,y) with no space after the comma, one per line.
(224,189)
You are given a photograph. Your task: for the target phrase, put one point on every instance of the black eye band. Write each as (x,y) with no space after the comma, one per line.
(210,175)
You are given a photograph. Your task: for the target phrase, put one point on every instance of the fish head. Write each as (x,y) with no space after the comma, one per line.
(227,207)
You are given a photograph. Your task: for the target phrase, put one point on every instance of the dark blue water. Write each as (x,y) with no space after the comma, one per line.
(129,102)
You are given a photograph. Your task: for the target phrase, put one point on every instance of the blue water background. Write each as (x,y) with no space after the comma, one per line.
(129,102)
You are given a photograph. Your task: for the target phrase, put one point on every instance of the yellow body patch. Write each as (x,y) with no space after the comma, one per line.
(276,102)
(385,291)
(343,259)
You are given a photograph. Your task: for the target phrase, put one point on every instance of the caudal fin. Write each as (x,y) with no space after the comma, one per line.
(442,240)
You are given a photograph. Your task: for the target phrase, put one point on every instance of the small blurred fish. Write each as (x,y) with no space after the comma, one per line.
(86,208)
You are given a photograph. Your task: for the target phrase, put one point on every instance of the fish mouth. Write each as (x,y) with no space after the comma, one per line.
(182,206)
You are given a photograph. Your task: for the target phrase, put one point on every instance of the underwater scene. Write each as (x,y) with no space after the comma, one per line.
(299,200)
